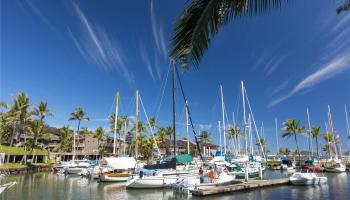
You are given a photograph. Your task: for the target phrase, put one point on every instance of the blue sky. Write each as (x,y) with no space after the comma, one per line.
(79,53)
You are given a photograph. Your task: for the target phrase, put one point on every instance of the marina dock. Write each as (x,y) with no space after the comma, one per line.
(251,184)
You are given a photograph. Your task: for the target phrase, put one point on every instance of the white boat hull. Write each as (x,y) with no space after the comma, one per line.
(151,182)
(336,170)
(74,170)
(104,178)
(307,179)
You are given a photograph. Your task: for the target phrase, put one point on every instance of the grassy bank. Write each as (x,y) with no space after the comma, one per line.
(20,151)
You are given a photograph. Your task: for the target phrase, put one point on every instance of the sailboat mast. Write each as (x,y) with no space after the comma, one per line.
(219,126)
(174,116)
(332,129)
(137,123)
(115,123)
(250,136)
(223,117)
(124,137)
(187,124)
(347,122)
(276,133)
(310,136)
(244,118)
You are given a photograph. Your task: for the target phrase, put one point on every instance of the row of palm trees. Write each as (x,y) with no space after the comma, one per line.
(292,129)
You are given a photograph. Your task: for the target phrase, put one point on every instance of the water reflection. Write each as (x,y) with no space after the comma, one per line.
(48,186)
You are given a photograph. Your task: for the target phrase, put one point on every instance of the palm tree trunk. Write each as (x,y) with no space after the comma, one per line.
(296,142)
(317,148)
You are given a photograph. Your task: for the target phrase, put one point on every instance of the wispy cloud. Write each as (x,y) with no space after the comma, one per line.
(158,33)
(273,64)
(29,5)
(330,69)
(146,60)
(334,59)
(280,87)
(98,47)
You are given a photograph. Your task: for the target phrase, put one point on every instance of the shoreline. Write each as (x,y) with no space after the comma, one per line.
(24,170)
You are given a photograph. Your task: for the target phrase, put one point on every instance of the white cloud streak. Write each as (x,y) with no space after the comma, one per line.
(334,67)
(146,61)
(98,47)
(29,5)
(158,33)
(335,59)
(273,64)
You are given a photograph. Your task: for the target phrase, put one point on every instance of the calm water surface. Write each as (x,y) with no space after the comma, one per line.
(49,186)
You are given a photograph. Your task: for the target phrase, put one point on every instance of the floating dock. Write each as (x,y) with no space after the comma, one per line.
(251,184)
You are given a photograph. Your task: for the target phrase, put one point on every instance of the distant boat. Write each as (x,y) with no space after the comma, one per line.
(307,178)
(123,168)
(335,166)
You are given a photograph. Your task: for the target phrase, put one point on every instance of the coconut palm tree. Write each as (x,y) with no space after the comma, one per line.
(329,139)
(65,139)
(20,110)
(161,140)
(344,7)
(7,129)
(42,111)
(315,132)
(202,20)
(78,115)
(100,135)
(35,128)
(169,131)
(262,144)
(153,122)
(204,137)
(286,151)
(292,128)
(234,133)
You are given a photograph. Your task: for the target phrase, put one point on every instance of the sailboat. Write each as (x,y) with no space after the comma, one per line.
(158,180)
(122,169)
(334,164)
(249,166)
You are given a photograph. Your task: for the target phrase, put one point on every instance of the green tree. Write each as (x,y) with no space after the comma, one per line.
(7,126)
(36,131)
(42,111)
(78,115)
(344,7)
(262,144)
(315,132)
(204,137)
(162,140)
(169,131)
(202,20)
(100,135)
(121,126)
(329,138)
(292,128)
(286,151)
(234,133)
(65,140)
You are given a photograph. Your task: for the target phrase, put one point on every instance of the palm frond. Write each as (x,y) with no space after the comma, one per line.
(344,7)
(201,21)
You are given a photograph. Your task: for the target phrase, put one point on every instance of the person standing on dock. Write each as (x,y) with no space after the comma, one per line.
(212,175)
(201,175)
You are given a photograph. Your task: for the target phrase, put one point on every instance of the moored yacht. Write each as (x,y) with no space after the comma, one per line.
(307,178)
(122,169)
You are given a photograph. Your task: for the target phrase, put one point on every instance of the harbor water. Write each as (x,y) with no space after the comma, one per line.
(50,186)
